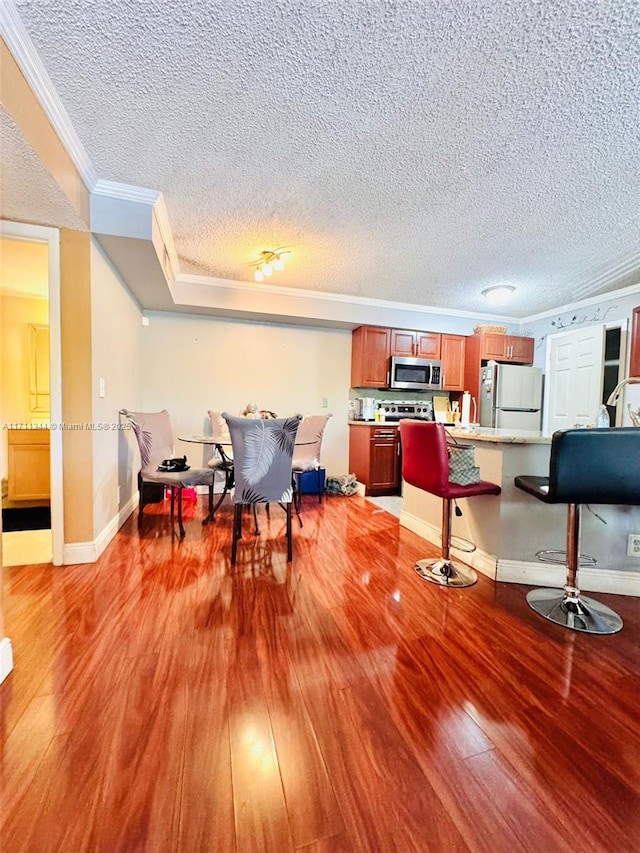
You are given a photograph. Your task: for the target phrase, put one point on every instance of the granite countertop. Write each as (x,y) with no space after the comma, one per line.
(500,436)
(373,423)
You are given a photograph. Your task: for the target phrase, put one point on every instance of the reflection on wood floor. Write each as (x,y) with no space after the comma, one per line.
(162,701)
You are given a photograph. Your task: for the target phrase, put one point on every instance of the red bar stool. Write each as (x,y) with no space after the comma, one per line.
(425,465)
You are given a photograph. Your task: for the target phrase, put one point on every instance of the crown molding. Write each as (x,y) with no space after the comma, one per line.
(125,192)
(25,54)
(154,200)
(583,303)
(626,265)
(166,234)
(274,290)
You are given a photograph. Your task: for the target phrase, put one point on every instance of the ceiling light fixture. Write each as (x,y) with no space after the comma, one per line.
(267,262)
(498,294)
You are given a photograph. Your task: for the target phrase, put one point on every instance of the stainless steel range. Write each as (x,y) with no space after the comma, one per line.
(396,410)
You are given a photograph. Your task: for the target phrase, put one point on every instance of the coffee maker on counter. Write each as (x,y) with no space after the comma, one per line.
(365,408)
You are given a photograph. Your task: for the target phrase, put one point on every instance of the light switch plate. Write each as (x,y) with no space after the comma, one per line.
(102,387)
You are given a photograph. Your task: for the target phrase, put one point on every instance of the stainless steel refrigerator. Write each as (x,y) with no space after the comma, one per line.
(510,396)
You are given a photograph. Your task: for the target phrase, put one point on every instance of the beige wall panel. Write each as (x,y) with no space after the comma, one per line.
(117,360)
(192,364)
(75,310)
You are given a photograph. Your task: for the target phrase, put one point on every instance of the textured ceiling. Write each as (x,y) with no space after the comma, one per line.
(28,193)
(410,151)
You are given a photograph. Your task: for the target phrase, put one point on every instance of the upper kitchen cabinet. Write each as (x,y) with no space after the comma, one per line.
(505,348)
(634,362)
(452,355)
(484,346)
(414,344)
(370,357)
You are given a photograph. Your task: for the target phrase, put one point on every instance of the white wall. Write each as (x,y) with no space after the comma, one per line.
(587,313)
(192,363)
(117,356)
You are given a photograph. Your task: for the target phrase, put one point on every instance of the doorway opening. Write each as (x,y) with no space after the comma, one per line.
(31,397)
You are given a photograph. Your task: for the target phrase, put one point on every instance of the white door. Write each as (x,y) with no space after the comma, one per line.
(575,368)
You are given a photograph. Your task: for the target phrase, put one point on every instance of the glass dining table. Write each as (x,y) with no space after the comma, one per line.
(226,466)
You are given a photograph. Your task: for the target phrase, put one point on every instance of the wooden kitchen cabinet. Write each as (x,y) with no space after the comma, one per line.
(512,348)
(28,470)
(634,361)
(374,457)
(370,357)
(483,346)
(452,355)
(411,344)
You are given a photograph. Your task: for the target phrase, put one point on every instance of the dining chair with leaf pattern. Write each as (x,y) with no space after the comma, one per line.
(263,458)
(155,441)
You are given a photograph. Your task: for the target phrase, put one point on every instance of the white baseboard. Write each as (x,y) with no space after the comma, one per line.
(6,658)
(75,553)
(361,489)
(589,579)
(532,574)
(479,560)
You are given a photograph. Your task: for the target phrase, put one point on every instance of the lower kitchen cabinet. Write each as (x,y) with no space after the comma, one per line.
(374,457)
(28,470)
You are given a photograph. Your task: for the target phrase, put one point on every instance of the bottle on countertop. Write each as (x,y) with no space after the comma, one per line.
(603,418)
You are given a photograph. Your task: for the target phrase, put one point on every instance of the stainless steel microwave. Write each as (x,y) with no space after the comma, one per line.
(419,374)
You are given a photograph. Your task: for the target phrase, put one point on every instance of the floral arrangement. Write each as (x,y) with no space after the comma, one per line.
(251,411)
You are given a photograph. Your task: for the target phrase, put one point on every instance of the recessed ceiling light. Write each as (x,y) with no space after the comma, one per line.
(498,294)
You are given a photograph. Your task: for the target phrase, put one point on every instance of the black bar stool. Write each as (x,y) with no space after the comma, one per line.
(587,466)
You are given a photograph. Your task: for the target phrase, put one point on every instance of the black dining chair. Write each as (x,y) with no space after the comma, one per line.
(587,466)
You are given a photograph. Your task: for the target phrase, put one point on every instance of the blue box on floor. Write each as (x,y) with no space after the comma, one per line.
(312,482)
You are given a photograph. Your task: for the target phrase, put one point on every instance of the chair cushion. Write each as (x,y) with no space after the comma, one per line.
(536,486)
(192,477)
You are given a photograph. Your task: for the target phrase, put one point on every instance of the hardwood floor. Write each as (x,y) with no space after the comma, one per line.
(162,701)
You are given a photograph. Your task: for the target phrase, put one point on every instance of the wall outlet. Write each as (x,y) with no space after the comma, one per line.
(633,548)
(118,495)
(325,403)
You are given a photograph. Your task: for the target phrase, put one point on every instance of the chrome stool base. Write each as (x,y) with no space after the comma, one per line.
(571,610)
(445,573)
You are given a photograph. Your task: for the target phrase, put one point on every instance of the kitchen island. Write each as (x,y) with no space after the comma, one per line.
(509,529)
